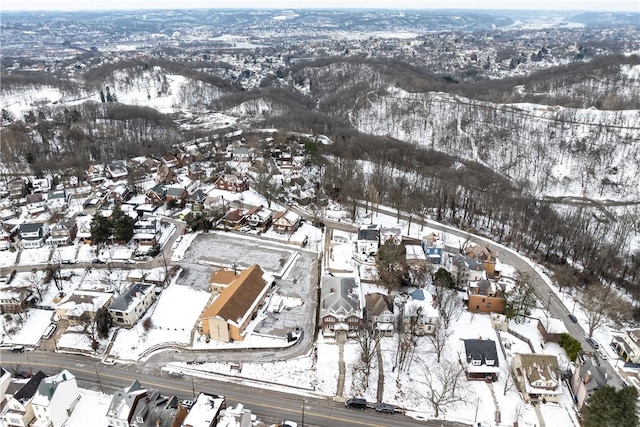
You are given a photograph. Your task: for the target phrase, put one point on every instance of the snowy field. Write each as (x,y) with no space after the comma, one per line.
(35,323)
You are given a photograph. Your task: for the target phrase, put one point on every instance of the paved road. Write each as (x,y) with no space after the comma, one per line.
(268,405)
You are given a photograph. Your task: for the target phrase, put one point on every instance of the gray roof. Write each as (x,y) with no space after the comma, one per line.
(598,376)
(339,296)
(30,227)
(369,232)
(155,407)
(481,349)
(417,295)
(123,301)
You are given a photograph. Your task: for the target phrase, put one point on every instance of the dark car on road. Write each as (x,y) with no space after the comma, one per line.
(356,403)
(385,408)
(593,343)
(573,318)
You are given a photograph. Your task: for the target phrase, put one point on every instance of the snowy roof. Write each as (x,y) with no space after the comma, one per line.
(339,296)
(204,410)
(126,298)
(369,232)
(414,252)
(481,349)
(48,386)
(123,401)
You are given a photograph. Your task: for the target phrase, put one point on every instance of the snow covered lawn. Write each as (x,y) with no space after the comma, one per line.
(35,256)
(36,321)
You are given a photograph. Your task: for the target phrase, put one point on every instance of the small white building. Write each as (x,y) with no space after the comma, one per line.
(33,235)
(420,313)
(368,239)
(55,400)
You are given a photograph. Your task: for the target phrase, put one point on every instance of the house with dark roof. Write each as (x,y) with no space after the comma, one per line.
(132,303)
(537,376)
(480,358)
(56,399)
(117,170)
(195,201)
(19,409)
(368,240)
(64,231)
(467,269)
(340,311)
(154,410)
(33,234)
(379,312)
(123,404)
(236,305)
(156,195)
(80,305)
(234,218)
(177,193)
(587,378)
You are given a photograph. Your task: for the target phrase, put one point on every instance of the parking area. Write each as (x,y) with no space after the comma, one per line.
(297,287)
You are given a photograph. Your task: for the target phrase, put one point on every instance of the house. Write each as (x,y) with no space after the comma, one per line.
(390,234)
(123,405)
(537,377)
(150,164)
(379,313)
(17,188)
(15,299)
(234,218)
(36,203)
(117,170)
(33,235)
(484,254)
(146,232)
(196,200)
(231,182)
(165,175)
(214,203)
(420,314)
(58,200)
(286,222)
(466,270)
(485,296)
(5,380)
(170,161)
(79,306)
(120,193)
(177,193)
(231,311)
(63,232)
(19,409)
(259,217)
(205,411)
(587,378)
(340,311)
(481,359)
(156,195)
(40,185)
(55,399)
(154,410)
(132,303)
(627,345)
(414,254)
(433,248)
(242,154)
(8,234)
(368,240)
(196,172)
(95,201)
(95,175)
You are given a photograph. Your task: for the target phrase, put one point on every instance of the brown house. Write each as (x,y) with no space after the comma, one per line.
(233,183)
(236,305)
(486,255)
(64,231)
(234,218)
(166,175)
(286,222)
(486,296)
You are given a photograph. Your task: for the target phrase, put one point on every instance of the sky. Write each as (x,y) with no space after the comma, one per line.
(612,5)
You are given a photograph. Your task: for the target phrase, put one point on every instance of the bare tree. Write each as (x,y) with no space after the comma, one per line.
(406,326)
(439,340)
(603,303)
(36,283)
(509,381)
(521,299)
(445,384)
(449,306)
(368,340)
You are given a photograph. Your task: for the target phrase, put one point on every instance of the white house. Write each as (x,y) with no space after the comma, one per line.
(33,235)
(132,304)
(627,345)
(368,239)
(55,399)
(340,310)
(537,376)
(379,311)
(420,313)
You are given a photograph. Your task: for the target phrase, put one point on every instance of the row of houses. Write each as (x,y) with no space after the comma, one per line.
(51,401)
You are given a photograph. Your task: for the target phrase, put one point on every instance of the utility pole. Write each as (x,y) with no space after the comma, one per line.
(99,380)
(304,402)
(193,388)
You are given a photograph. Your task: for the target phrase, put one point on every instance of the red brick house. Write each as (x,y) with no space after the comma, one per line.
(233,183)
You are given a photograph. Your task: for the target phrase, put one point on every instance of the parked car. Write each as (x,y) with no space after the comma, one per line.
(49,331)
(593,343)
(109,361)
(386,408)
(573,318)
(287,423)
(98,261)
(17,349)
(602,354)
(187,404)
(356,403)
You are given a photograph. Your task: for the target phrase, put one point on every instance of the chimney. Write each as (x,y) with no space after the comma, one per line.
(324,305)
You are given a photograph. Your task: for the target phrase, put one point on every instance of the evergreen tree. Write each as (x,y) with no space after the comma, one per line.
(100,230)
(609,407)
(443,279)
(122,225)
(103,322)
